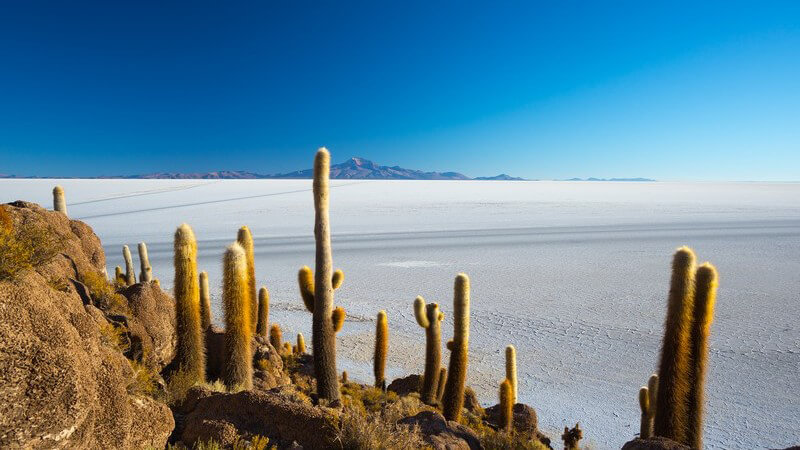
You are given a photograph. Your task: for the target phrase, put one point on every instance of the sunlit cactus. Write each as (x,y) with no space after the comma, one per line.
(381,349)
(119,276)
(453,399)
(337,317)
(301,344)
(652,401)
(645,429)
(190,354)
(144,264)
(704,300)
(287,349)
(276,336)
(506,405)
(245,239)
(59,202)
(238,369)
(130,273)
(345,377)
(262,326)
(429,318)
(673,374)
(305,280)
(205,302)
(511,370)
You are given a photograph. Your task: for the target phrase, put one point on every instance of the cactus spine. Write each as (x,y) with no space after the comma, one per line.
(506,405)
(511,370)
(59,202)
(276,337)
(245,239)
(453,398)
(381,349)
(262,326)
(429,318)
(144,264)
(190,355)
(205,302)
(301,344)
(238,370)
(705,297)
(130,274)
(673,391)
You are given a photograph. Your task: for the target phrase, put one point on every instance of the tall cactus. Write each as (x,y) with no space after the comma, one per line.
(144,264)
(245,239)
(673,392)
(429,318)
(511,370)
(205,302)
(59,202)
(130,273)
(704,299)
(381,349)
(453,399)
(262,327)
(190,355)
(506,405)
(238,370)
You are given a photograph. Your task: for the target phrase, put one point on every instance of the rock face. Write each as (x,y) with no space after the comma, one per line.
(441,434)
(63,383)
(525,419)
(268,366)
(656,443)
(406,385)
(155,312)
(276,414)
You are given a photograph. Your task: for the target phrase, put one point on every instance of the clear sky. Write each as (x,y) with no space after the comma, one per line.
(558,89)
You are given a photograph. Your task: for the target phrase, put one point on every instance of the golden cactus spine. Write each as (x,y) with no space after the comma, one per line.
(673,373)
(506,405)
(262,326)
(704,300)
(59,202)
(144,264)
(238,370)
(130,273)
(205,302)
(301,344)
(245,239)
(511,370)
(429,318)
(190,355)
(276,337)
(381,349)
(453,399)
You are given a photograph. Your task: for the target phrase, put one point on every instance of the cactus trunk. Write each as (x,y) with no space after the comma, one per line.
(511,370)
(301,344)
(205,302)
(245,239)
(238,371)
(381,349)
(262,327)
(506,405)
(453,399)
(59,202)
(130,273)
(645,430)
(429,317)
(190,355)
(276,337)
(144,264)
(705,296)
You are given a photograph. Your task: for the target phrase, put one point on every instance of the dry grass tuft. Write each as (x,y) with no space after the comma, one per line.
(360,430)
(104,293)
(143,382)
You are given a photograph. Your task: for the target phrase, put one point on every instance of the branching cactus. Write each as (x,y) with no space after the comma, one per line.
(205,302)
(276,337)
(673,374)
(144,264)
(262,327)
(453,399)
(429,318)
(704,300)
(190,355)
(238,371)
(301,344)
(381,349)
(511,370)
(59,202)
(245,239)
(130,273)
(506,405)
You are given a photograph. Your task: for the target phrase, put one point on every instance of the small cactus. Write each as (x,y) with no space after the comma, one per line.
(263,312)
(301,344)
(440,387)
(59,202)
(276,336)
(645,430)
(238,371)
(705,297)
(673,374)
(190,354)
(205,302)
(381,349)
(506,405)
(453,399)
(130,274)
(345,378)
(571,437)
(144,263)
(429,318)
(652,392)
(119,276)
(245,239)
(511,370)
(287,349)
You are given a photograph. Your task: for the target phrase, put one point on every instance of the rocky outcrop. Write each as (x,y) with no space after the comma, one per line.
(442,434)
(267,365)
(64,383)
(406,385)
(525,420)
(154,311)
(656,443)
(282,415)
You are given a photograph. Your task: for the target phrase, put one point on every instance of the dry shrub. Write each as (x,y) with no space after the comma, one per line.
(143,381)
(360,431)
(179,383)
(104,293)
(115,336)
(23,248)
(492,439)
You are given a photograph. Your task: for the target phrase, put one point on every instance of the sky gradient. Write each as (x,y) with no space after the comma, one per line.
(672,91)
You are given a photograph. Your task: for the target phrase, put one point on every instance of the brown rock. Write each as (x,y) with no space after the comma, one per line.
(525,419)
(406,385)
(471,401)
(442,434)
(154,310)
(656,443)
(267,365)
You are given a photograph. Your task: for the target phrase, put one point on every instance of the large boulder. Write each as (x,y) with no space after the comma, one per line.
(441,434)
(654,443)
(154,310)
(282,415)
(405,385)
(64,383)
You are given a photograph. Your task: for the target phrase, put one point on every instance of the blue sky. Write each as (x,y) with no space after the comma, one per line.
(667,90)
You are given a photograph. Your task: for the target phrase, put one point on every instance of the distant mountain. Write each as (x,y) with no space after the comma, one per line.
(221,175)
(501,177)
(610,179)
